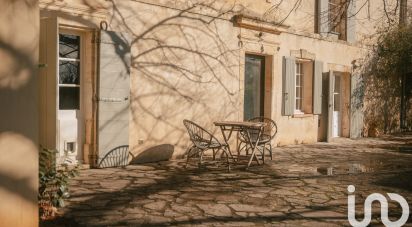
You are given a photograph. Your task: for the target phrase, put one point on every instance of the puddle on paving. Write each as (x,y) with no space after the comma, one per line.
(345,169)
(406,150)
(356,168)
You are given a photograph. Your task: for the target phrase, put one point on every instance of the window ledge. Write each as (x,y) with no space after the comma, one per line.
(334,33)
(302,115)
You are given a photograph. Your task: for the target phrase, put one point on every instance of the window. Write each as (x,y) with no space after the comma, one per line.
(69,72)
(337,17)
(302,86)
(299,88)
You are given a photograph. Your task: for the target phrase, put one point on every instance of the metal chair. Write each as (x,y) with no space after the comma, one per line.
(203,140)
(269,132)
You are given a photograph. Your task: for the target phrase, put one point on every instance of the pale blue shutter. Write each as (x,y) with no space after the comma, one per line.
(356,118)
(289,78)
(323,17)
(317,87)
(113,93)
(351,22)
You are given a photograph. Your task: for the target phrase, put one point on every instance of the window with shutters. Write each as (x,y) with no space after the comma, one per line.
(336,18)
(337,15)
(302,86)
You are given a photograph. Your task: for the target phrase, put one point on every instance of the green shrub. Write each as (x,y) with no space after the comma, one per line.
(53,183)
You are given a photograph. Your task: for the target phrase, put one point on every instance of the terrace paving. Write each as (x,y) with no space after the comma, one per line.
(304,185)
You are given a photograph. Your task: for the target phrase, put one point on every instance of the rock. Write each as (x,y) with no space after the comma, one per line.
(159,205)
(184,209)
(323,214)
(171,213)
(219,210)
(249,208)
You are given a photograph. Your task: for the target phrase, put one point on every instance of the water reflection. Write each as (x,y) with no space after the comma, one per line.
(346,169)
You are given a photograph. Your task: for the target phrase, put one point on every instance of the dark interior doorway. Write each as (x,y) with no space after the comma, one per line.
(254,86)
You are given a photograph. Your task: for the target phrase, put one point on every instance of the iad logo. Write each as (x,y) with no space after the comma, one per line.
(384,209)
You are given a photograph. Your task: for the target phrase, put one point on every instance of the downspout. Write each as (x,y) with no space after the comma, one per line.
(402,23)
(93,156)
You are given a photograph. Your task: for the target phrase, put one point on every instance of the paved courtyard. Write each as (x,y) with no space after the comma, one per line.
(304,185)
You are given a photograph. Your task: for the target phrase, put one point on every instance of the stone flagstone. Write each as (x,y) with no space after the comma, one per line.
(292,190)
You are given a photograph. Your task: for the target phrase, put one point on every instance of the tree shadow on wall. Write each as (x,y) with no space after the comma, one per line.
(18,126)
(183,66)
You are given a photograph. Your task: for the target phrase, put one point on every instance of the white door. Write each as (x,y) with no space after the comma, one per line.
(336,116)
(69,98)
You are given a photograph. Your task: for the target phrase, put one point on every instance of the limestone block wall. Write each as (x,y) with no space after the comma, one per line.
(188,62)
(19,43)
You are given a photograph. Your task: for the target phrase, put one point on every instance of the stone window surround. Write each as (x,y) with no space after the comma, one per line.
(303,55)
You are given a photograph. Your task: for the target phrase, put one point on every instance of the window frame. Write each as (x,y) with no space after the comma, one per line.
(337,18)
(79,60)
(299,65)
(333,13)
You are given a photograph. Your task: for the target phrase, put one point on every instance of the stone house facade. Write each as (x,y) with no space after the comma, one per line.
(128,72)
(86,76)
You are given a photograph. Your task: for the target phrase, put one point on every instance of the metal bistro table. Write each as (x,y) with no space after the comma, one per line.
(228,127)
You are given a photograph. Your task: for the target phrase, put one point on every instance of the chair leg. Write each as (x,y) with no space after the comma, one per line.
(224,150)
(270,151)
(201,157)
(240,147)
(188,155)
(264,153)
(214,154)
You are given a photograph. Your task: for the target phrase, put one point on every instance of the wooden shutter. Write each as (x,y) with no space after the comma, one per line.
(113,92)
(317,87)
(356,118)
(330,104)
(289,84)
(49,36)
(351,22)
(323,17)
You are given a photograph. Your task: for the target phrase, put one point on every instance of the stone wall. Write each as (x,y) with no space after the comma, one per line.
(188,61)
(19,43)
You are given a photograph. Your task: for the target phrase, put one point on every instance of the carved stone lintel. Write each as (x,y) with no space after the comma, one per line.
(254,24)
(302,53)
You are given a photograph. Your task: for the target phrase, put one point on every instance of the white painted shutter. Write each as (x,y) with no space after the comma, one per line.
(351,22)
(323,17)
(289,84)
(113,92)
(356,118)
(330,104)
(317,87)
(49,36)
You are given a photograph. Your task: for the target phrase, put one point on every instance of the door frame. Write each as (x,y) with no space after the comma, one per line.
(345,96)
(79,114)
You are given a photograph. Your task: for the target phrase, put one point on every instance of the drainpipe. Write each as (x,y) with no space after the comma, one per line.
(93,156)
(402,23)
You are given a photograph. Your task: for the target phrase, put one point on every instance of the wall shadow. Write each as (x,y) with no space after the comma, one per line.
(157,153)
